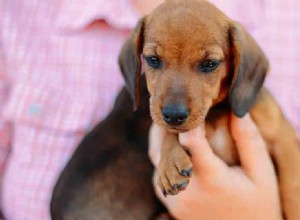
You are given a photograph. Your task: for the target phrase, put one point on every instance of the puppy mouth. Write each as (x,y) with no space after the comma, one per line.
(176,129)
(185,127)
(170,128)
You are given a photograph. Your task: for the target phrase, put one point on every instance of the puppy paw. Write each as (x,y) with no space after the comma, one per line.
(174,171)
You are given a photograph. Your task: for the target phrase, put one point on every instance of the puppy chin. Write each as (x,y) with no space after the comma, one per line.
(174,130)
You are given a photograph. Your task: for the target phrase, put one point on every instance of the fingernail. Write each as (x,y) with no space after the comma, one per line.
(246,121)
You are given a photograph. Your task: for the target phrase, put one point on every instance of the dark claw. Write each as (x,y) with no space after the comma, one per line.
(183,185)
(187,173)
(175,187)
(164,193)
(170,192)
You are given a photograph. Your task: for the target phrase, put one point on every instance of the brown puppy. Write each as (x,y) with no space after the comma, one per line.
(200,65)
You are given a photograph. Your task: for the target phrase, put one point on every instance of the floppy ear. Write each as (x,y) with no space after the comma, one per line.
(250,66)
(130,61)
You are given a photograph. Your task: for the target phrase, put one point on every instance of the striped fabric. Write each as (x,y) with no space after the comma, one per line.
(59,76)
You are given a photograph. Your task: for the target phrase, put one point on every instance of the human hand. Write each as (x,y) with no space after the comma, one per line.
(217,191)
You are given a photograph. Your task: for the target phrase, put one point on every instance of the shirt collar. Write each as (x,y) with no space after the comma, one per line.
(74,15)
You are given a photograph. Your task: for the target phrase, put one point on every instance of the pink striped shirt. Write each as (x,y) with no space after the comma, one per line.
(59,76)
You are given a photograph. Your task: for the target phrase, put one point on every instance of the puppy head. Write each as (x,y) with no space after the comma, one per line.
(194,57)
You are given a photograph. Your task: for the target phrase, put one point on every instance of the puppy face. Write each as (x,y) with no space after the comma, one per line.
(186,61)
(194,57)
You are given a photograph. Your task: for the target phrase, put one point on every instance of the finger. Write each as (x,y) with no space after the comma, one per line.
(156,137)
(251,147)
(202,155)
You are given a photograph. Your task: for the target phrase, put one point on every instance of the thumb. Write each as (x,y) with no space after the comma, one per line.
(202,155)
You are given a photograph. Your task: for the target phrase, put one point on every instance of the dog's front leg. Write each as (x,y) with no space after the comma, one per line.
(175,167)
(284,148)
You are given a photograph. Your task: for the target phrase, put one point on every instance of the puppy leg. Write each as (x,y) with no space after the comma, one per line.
(175,167)
(284,149)
(287,158)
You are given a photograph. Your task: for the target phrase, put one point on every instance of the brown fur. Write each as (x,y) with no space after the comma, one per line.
(109,174)
(184,33)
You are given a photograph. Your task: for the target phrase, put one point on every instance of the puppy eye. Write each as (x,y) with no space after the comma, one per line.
(153,61)
(208,66)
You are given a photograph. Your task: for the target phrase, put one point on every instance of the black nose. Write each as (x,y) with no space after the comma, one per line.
(175,114)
